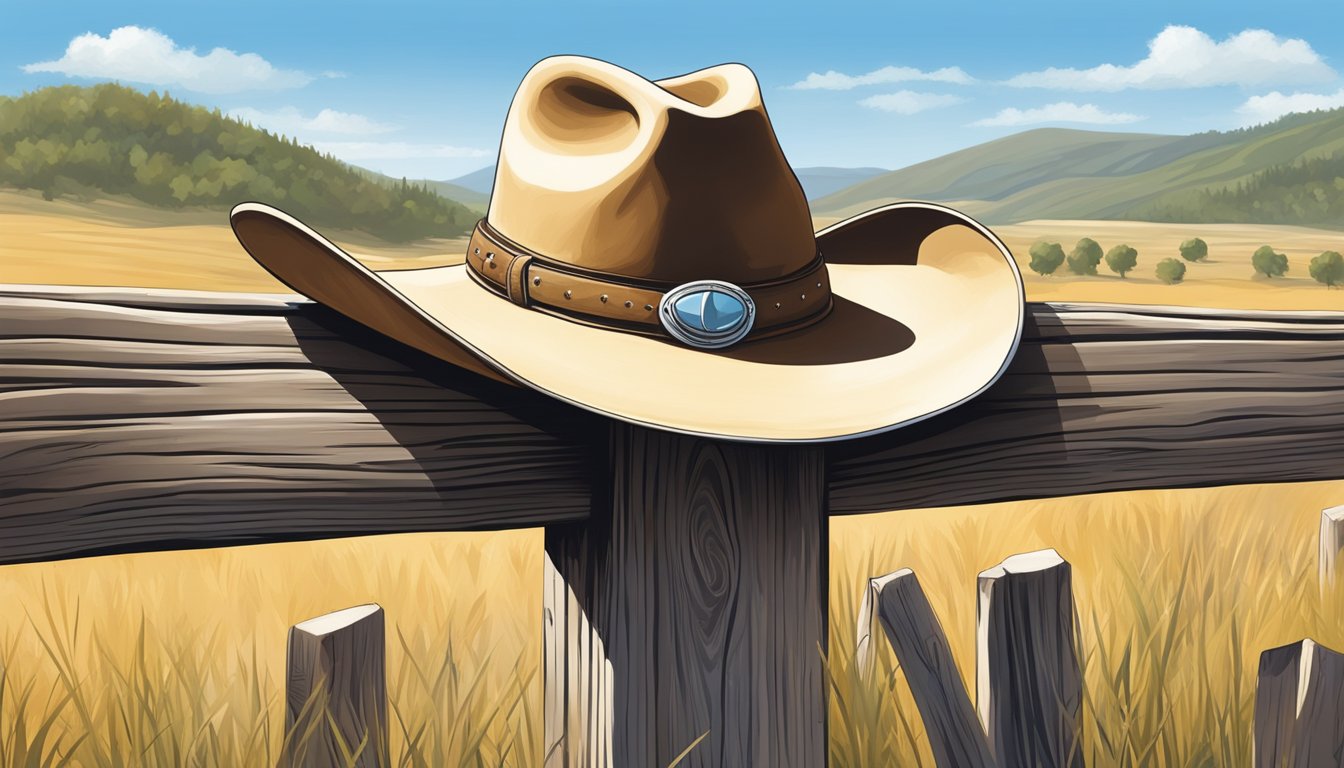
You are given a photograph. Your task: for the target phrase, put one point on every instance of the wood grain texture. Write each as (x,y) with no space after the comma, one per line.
(1108,398)
(1299,707)
(955,734)
(164,421)
(336,691)
(695,604)
(1029,687)
(134,420)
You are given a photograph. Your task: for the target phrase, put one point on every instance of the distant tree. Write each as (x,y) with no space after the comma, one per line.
(1171,271)
(1269,263)
(1194,249)
(1328,269)
(1122,259)
(1046,257)
(1085,257)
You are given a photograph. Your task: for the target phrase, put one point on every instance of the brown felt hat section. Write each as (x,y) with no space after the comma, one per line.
(928,313)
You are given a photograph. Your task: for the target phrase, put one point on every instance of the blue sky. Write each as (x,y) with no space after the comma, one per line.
(421,89)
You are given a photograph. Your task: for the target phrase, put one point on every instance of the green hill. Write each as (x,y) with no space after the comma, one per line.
(108,139)
(1068,174)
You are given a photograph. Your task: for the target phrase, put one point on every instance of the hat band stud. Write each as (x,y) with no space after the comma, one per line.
(702,314)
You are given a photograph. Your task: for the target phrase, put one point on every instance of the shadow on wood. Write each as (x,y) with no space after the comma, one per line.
(256,422)
(135,420)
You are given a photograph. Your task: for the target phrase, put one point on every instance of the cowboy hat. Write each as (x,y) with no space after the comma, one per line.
(648,254)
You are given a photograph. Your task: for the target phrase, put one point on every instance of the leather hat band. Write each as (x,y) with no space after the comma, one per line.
(619,303)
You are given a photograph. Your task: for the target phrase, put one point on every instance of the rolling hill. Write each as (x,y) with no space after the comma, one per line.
(108,140)
(1055,173)
(480,181)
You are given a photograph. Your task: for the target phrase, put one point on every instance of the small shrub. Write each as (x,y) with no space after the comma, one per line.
(1122,259)
(1085,257)
(1194,249)
(1046,257)
(1171,271)
(1268,263)
(1327,269)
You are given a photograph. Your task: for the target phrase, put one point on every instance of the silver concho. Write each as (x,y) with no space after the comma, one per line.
(707,314)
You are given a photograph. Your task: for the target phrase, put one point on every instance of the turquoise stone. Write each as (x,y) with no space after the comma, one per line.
(723,312)
(711,311)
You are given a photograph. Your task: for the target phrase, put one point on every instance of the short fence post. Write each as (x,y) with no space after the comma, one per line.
(1028,682)
(336,691)
(1332,546)
(1299,707)
(915,634)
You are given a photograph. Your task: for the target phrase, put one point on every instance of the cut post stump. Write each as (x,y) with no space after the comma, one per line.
(1028,682)
(690,610)
(1299,707)
(899,603)
(1332,550)
(336,691)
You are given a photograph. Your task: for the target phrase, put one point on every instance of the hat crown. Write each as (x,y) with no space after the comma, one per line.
(669,181)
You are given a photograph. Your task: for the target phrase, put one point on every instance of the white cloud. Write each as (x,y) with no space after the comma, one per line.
(291,122)
(394,150)
(1273,105)
(839,81)
(909,102)
(139,55)
(1184,57)
(1059,112)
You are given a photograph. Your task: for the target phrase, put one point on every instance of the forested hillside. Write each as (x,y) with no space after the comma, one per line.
(109,139)
(1309,191)
(1282,172)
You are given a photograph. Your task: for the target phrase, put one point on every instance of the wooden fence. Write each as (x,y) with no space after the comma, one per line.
(1029,688)
(137,420)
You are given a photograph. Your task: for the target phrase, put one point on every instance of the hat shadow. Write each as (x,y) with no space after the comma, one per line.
(1021,414)
(436,411)
(851,333)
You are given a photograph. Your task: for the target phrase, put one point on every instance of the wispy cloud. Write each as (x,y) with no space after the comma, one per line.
(394,150)
(1059,112)
(909,102)
(140,55)
(290,121)
(839,81)
(1184,57)
(1273,105)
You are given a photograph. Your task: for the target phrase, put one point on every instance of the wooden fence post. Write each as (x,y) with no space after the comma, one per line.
(1299,707)
(1028,682)
(957,739)
(1332,547)
(336,691)
(690,610)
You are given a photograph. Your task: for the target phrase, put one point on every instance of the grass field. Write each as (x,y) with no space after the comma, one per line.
(170,659)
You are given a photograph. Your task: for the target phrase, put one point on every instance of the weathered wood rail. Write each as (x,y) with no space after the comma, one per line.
(685,588)
(189,419)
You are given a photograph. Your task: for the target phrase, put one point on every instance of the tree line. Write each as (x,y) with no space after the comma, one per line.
(1309,191)
(1047,257)
(87,142)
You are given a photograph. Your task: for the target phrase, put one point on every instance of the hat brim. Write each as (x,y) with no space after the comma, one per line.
(928,313)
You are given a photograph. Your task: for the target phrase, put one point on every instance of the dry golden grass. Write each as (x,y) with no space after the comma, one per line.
(110,242)
(177,658)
